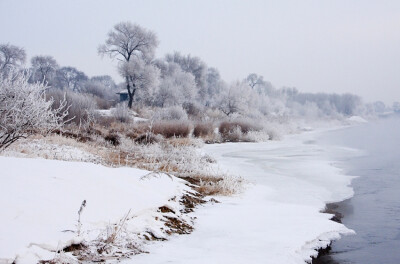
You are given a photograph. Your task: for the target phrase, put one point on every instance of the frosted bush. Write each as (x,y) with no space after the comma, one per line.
(171,113)
(234,135)
(82,107)
(182,160)
(122,113)
(24,109)
(212,114)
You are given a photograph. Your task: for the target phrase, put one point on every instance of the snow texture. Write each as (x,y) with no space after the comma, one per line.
(40,200)
(278,219)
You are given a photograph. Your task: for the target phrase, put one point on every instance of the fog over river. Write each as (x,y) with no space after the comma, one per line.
(374,211)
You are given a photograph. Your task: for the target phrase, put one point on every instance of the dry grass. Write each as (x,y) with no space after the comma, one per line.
(105,121)
(171,129)
(244,126)
(174,155)
(203,129)
(148,138)
(185,142)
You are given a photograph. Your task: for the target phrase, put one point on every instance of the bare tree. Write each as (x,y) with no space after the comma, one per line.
(24,109)
(44,68)
(129,42)
(71,78)
(11,57)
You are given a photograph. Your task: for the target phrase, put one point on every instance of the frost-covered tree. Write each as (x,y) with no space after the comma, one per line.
(141,76)
(257,83)
(348,104)
(105,80)
(289,92)
(253,80)
(24,109)
(70,78)
(11,57)
(128,43)
(43,68)
(235,99)
(193,65)
(98,89)
(214,86)
(329,104)
(176,88)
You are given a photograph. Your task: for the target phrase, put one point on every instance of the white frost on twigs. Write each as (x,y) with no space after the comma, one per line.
(24,109)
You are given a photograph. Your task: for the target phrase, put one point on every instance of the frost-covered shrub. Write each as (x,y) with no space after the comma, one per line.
(203,129)
(24,109)
(185,161)
(233,135)
(171,113)
(170,129)
(122,113)
(214,114)
(236,130)
(244,125)
(273,133)
(82,106)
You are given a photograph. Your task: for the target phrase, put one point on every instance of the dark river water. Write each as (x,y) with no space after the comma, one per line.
(374,211)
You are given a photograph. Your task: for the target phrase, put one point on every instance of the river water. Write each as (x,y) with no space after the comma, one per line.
(374,211)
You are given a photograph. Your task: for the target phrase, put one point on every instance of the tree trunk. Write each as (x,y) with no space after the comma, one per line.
(131,93)
(130,101)
(130,96)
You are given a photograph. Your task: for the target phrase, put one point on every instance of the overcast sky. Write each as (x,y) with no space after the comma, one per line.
(317,46)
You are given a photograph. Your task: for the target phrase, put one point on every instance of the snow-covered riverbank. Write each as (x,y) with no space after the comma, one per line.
(277,219)
(40,199)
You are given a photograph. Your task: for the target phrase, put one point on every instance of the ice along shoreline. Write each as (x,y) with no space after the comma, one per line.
(306,162)
(277,219)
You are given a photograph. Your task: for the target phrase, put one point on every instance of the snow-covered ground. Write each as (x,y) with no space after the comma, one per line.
(40,199)
(277,219)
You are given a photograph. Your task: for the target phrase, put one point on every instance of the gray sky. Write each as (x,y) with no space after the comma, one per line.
(316,46)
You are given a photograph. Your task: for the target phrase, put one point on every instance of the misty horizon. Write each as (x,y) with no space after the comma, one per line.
(316,47)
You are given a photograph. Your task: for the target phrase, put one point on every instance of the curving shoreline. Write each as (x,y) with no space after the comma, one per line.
(334,209)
